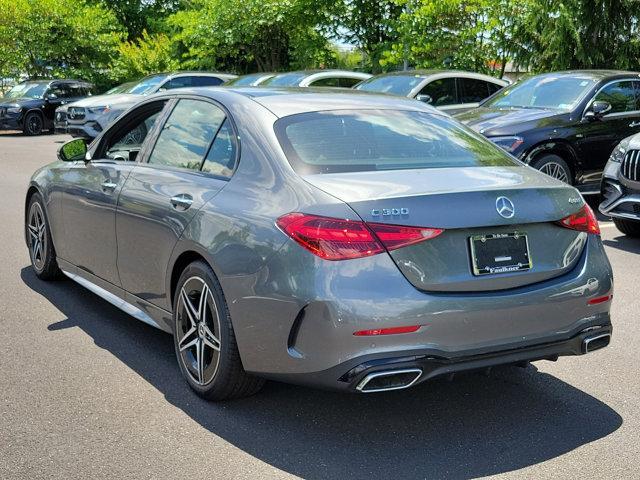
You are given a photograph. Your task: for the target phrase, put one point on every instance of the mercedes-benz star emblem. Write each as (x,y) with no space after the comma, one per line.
(505,207)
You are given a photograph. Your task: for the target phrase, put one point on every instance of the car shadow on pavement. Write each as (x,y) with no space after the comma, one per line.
(471,427)
(624,242)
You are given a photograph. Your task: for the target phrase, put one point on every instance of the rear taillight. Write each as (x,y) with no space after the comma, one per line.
(340,239)
(584,220)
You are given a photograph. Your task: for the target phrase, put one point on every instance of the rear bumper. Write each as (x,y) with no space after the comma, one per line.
(432,363)
(301,330)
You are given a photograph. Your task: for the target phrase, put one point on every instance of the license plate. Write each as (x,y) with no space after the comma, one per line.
(496,253)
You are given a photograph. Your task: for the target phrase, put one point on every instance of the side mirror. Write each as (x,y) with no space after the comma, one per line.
(425,98)
(73,150)
(597,110)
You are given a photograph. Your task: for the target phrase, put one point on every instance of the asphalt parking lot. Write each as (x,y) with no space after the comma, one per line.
(88,392)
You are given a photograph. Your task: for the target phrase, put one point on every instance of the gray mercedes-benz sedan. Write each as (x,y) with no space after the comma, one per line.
(344,240)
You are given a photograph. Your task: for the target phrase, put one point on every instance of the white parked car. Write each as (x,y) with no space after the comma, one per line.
(88,117)
(452,91)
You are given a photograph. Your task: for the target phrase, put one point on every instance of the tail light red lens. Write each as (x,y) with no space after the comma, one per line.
(584,221)
(387,331)
(340,239)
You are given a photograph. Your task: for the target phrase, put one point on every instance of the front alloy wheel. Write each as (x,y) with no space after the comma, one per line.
(33,124)
(41,251)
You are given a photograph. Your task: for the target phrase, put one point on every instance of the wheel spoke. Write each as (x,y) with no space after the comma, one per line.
(200,360)
(188,306)
(210,339)
(37,251)
(190,344)
(202,306)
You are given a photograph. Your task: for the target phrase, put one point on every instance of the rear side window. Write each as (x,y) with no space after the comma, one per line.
(221,158)
(472,90)
(370,140)
(348,82)
(203,81)
(326,82)
(621,96)
(187,134)
(442,92)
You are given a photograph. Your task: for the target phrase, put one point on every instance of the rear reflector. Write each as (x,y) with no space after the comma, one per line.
(387,331)
(340,239)
(598,300)
(584,221)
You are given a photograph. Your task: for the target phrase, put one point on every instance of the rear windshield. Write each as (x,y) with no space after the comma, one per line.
(370,140)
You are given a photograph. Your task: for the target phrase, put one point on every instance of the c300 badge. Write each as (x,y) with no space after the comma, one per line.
(389,212)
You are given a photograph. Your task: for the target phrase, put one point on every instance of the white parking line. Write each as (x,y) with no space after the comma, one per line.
(606,224)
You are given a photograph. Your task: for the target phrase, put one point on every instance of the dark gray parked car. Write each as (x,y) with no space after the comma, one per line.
(352,241)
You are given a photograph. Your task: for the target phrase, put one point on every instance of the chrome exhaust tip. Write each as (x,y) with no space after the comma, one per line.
(389,380)
(596,342)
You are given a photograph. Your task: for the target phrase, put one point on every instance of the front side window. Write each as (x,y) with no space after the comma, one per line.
(187,134)
(372,140)
(441,91)
(128,137)
(621,96)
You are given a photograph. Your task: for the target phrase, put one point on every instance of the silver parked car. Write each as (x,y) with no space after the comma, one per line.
(357,242)
(316,78)
(450,90)
(88,117)
(620,187)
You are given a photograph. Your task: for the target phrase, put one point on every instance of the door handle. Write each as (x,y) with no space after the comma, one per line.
(109,186)
(182,201)
(634,124)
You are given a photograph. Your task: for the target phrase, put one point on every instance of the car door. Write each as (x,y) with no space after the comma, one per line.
(442,93)
(165,191)
(92,188)
(597,137)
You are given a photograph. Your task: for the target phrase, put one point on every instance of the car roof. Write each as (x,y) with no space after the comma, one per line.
(51,81)
(283,102)
(425,73)
(594,74)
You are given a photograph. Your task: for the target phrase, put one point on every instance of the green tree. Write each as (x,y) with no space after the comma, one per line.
(243,35)
(563,34)
(61,38)
(371,25)
(149,54)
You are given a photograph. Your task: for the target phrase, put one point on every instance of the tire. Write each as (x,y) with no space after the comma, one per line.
(200,328)
(628,227)
(38,234)
(33,124)
(554,166)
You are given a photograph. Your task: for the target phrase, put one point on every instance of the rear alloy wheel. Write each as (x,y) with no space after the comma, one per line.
(204,339)
(555,167)
(628,227)
(41,251)
(33,124)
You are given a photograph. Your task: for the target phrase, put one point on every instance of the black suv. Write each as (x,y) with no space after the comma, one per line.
(30,106)
(565,124)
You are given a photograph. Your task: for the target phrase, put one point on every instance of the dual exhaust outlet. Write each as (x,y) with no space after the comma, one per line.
(388,380)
